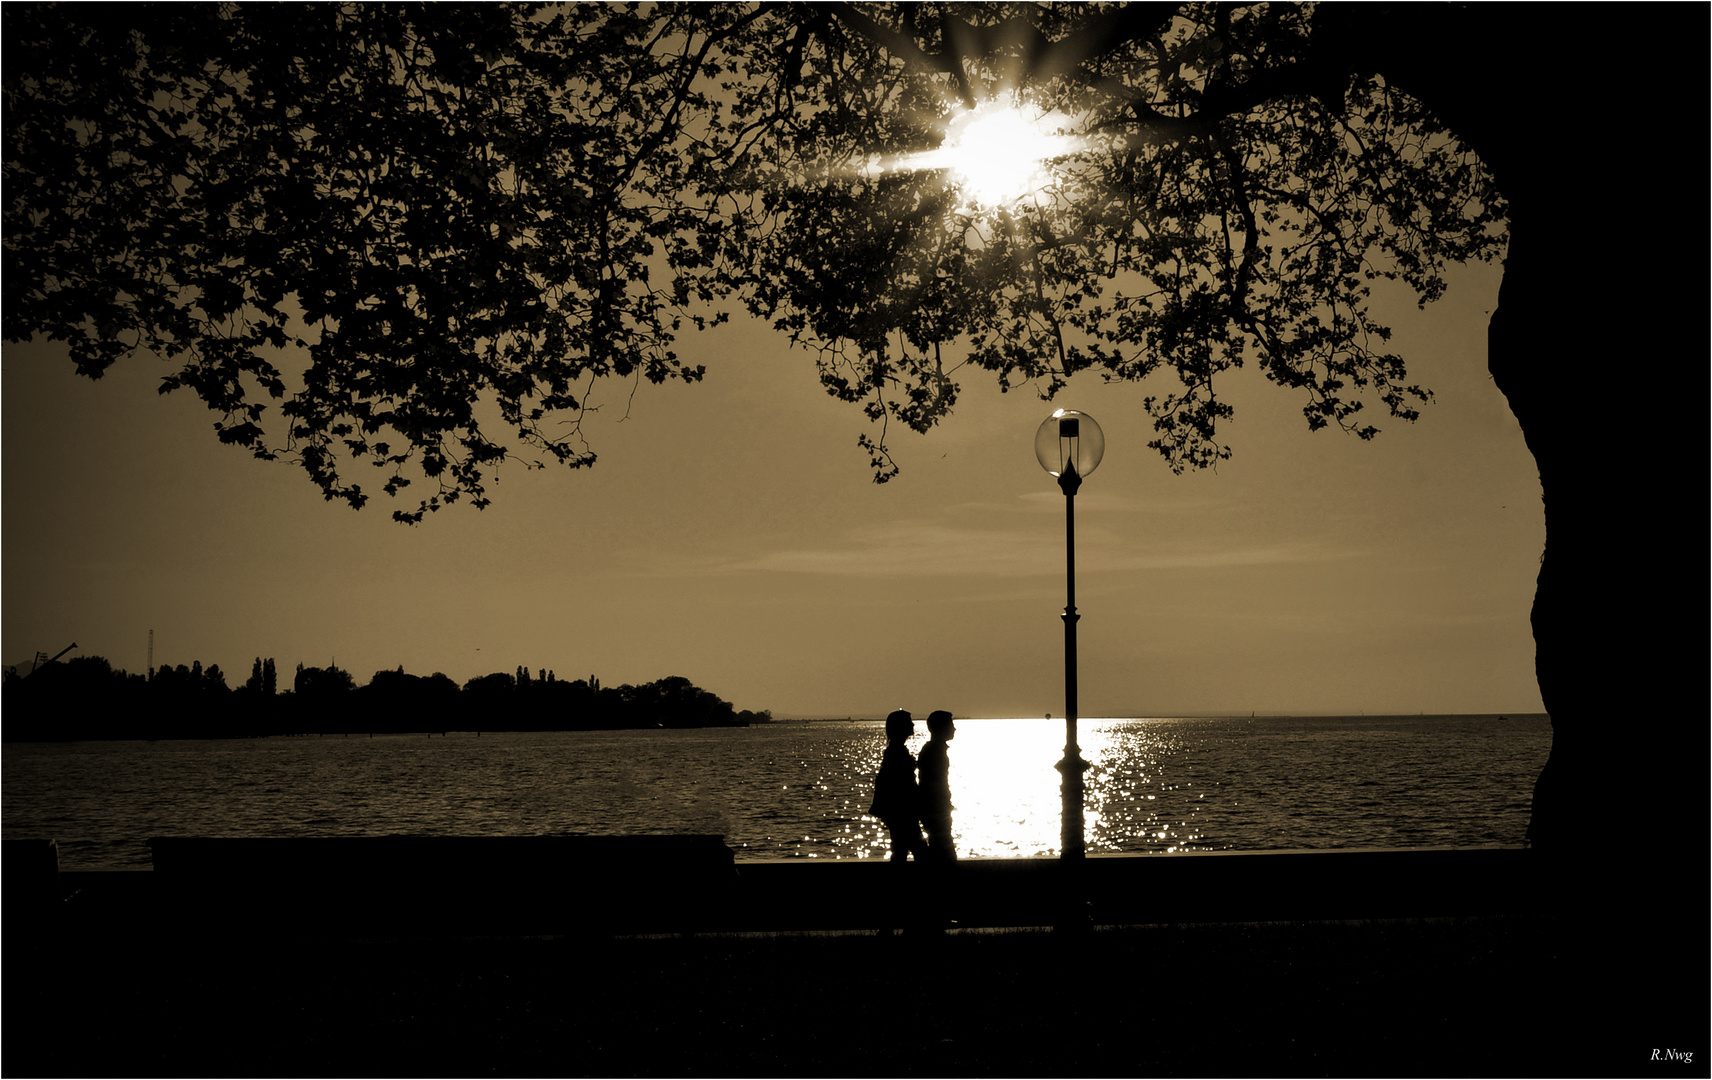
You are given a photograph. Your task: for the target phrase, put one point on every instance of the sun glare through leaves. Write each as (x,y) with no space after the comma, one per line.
(998,153)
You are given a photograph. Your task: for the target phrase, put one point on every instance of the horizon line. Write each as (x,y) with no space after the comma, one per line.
(1184,715)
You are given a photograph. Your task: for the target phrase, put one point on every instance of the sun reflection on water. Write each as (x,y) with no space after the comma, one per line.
(1006,789)
(1165,784)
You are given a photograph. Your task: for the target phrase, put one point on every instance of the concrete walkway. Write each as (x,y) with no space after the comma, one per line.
(462,886)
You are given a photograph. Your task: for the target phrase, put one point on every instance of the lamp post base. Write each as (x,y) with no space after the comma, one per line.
(1075,916)
(1072,789)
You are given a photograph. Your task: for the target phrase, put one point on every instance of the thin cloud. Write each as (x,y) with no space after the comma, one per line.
(926,550)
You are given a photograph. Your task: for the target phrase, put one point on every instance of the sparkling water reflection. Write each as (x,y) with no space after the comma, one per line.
(1156,784)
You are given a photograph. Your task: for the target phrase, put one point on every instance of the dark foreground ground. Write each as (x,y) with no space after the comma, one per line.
(1488,996)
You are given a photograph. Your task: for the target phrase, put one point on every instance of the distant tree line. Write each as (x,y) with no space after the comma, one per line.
(87,698)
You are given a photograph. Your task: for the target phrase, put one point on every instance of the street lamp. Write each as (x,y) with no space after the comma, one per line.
(1069,445)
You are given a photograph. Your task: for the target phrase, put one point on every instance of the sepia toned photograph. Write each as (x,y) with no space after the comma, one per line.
(853,539)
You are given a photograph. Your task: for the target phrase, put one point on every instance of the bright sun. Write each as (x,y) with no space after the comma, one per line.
(999,153)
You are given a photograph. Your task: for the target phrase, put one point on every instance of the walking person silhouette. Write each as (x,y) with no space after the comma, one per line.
(935,766)
(896,801)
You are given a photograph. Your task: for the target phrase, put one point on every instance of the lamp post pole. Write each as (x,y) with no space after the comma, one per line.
(1069,445)
(1072,846)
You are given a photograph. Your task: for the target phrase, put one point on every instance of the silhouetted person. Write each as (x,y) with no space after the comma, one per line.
(935,766)
(896,800)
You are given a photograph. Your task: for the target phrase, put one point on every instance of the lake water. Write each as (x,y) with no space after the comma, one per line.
(802,789)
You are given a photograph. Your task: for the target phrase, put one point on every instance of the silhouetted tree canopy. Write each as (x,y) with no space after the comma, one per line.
(411,214)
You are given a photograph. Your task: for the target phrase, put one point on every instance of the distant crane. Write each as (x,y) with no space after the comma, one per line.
(42,658)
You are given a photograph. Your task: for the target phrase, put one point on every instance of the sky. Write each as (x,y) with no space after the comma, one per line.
(730,533)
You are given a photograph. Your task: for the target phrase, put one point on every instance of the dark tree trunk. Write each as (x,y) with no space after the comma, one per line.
(1599,332)
(1599,345)
(1591,347)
